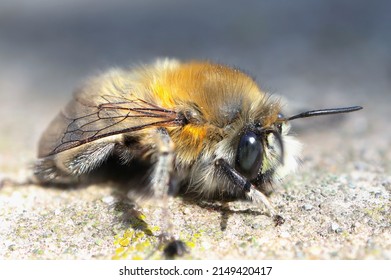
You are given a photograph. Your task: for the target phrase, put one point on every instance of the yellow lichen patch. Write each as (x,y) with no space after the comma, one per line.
(119,251)
(191,240)
(134,244)
(137,242)
(140,241)
(124,242)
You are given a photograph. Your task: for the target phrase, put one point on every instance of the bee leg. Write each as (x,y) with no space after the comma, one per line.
(249,190)
(175,248)
(163,168)
(66,167)
(161,180)
(46,171)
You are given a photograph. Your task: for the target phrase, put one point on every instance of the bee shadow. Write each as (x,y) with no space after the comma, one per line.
(133,178)
(131,182)
(225,211)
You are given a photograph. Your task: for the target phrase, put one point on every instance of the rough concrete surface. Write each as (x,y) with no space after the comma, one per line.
(337,206)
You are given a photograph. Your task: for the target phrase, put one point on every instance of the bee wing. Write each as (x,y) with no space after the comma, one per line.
(87,118)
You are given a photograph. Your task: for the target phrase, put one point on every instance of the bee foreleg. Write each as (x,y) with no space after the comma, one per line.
(160,184)
(163,168)
(239,181)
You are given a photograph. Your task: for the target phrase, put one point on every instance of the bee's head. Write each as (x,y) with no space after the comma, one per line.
(267,152)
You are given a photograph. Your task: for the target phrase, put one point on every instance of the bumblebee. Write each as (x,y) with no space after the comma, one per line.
(207,125)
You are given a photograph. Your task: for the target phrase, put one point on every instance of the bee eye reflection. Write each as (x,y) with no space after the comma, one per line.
(249,155)
(279,124)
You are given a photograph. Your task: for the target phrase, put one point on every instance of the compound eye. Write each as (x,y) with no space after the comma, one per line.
(249,155)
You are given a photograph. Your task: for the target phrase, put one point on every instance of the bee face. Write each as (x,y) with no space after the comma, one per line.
(261,153)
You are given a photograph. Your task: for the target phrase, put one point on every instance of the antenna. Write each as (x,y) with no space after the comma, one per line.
(324,112)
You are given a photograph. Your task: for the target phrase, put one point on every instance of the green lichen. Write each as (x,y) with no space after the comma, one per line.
(142,242)
(376,213)
(38,251)
(191,240)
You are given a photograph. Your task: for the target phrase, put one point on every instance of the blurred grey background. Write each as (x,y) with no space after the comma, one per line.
(319,53)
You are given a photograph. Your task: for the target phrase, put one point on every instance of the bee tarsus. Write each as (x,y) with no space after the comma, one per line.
(175,248)
(278,220)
